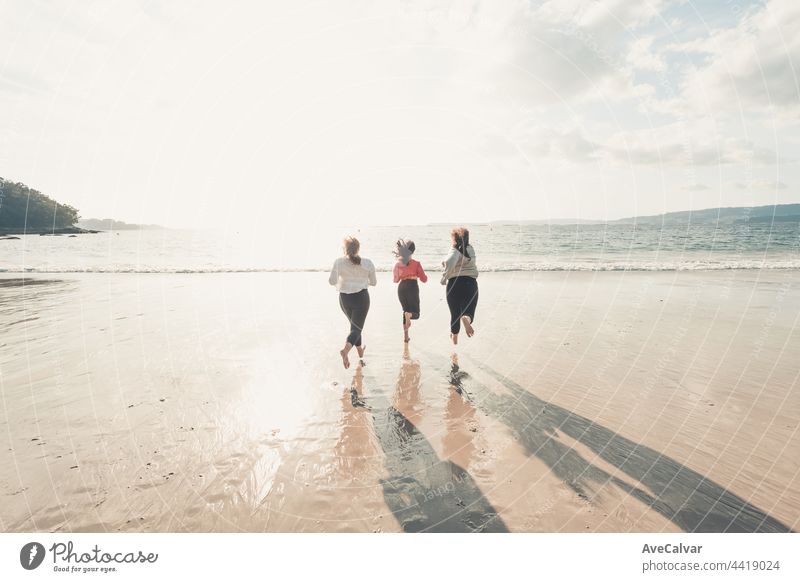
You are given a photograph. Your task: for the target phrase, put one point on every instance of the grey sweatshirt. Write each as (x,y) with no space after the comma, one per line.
(457,265)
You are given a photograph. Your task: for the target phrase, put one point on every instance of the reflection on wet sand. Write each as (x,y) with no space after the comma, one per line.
(460,422)
(26,297)
(424,492)
(184,403)
(355,449)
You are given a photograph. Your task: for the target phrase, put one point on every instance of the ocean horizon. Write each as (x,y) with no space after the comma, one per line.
(501,248)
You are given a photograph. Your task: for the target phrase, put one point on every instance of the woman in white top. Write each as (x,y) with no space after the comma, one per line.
(351,275)
(460,275)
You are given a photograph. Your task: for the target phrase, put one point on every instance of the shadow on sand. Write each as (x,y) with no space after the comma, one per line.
(687,498)
(424,492)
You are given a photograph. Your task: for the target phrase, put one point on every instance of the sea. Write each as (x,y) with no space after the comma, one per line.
(499,247)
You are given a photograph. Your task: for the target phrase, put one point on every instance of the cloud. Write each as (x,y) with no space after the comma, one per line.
(636,148)
(642,56)
(759,185)
(609,20)
(95,95)
(15,81)
(553,52)
(568,144)
(770,185)
(696,187)
(670,145)
(751,67)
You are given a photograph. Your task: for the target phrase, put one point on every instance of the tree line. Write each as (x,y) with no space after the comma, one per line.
(24,207)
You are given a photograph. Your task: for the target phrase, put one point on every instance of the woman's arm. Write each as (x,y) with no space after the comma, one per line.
(334,277)
(373,279)
(396,273)
(450,261)
(421,273)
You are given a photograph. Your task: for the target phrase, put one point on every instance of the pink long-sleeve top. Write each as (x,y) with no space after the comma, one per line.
(413,270)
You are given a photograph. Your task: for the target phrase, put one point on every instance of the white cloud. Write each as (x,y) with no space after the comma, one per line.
(568,144)
(141,111)
(607,20)
(749,68)
(670,145)
(642,56)
(696,187)
(760,185)
(770,185)
(537,54)
(661,148)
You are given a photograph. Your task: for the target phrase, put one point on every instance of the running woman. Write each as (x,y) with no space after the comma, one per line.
(352,274)
(406,272)
(460,275)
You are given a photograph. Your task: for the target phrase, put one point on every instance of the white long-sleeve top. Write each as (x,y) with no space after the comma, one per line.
(351,278)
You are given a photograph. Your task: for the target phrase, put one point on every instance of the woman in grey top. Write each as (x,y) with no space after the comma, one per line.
(351,275)
(460,275)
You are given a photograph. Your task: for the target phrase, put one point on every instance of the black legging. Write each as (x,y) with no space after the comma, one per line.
(408,293)
(355,306)
(462,298)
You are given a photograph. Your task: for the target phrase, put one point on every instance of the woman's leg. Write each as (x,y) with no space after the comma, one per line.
(470,303)
(346,303)
(454,304)
(401,296)
(413,307)
(357,320)
(408,294)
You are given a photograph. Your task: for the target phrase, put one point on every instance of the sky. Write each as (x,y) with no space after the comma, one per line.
(256,114)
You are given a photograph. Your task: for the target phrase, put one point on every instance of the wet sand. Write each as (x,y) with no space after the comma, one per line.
(586,402)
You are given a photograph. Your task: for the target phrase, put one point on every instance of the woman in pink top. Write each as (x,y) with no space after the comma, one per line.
(406,272)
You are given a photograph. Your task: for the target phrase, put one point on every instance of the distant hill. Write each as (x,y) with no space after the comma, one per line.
(728,215)
(771,213)
(111,224)
(552,221)
(24,210)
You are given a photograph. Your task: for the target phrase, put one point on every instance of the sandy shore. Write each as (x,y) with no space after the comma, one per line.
(586,402)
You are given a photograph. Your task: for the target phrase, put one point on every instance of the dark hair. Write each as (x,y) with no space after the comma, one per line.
(404,244)
(351,248)
(460,237)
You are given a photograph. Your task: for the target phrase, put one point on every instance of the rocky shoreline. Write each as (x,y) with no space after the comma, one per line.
(9,233)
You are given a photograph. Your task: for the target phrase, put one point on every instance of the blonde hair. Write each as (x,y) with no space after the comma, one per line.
(351,248)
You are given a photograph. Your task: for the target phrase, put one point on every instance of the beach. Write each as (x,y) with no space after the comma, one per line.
(217,402)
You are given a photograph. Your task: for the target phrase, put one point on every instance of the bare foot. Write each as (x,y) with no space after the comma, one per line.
(345,359)
(454,337)
(361,350)
(467,322)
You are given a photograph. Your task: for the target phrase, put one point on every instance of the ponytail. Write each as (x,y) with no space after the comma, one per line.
(460,238)
(351,248)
